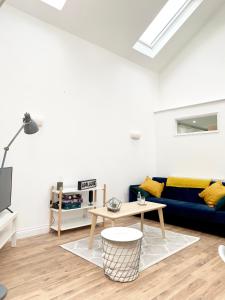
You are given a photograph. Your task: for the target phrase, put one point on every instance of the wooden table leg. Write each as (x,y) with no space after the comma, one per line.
(160,212)
(92,232)
(142,221)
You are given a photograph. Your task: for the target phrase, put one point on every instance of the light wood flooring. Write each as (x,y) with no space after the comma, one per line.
(38,269)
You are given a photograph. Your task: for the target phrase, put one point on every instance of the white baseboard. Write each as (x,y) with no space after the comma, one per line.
(32,231)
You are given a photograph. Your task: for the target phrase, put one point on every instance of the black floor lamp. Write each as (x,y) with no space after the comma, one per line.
(1,3)
(29,127)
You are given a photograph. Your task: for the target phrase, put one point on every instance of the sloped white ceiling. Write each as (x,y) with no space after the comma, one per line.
(117,24)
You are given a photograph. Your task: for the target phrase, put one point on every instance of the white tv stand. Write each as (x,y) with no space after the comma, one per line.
(7,228)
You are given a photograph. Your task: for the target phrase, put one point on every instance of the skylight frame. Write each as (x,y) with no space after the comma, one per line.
(173,24)
(58,4)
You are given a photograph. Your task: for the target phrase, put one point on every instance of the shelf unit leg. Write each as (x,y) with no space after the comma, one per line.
(60,213)
(51,212)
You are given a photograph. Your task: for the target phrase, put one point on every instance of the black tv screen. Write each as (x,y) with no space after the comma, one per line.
(5,188)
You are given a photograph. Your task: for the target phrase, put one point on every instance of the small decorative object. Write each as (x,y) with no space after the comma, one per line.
(90,198)
(59,185)
(139,196)
(114,204)
(142,201)
(87,184)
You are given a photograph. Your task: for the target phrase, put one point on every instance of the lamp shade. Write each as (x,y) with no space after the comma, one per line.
(30,127)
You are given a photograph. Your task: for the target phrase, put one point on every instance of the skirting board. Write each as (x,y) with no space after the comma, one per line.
(32,231)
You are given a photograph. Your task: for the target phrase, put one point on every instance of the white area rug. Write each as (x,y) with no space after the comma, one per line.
(154,248)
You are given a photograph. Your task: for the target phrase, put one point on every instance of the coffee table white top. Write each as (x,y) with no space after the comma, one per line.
(121,234)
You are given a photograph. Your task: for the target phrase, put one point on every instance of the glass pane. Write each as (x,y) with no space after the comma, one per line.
(197,124)
(167,13)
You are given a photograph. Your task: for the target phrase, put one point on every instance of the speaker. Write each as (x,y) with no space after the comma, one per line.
(90,197)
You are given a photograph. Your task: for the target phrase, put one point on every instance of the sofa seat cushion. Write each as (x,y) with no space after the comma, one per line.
(187,209)
(218,217)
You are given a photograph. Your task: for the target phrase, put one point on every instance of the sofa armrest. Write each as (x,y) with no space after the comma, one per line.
(133,193)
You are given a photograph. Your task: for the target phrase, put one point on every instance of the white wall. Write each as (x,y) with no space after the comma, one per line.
(89,98)
(193,155)
(196,75)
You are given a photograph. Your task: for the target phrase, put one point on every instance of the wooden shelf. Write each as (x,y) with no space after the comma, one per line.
(73,190)
(74,209)
(74,223)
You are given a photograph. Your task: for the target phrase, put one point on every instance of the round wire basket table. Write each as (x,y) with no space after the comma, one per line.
(121,253)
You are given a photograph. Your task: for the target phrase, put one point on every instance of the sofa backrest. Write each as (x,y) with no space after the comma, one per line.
(178,193)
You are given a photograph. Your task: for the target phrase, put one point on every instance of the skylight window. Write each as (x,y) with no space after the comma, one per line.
(58,4)
(171,17)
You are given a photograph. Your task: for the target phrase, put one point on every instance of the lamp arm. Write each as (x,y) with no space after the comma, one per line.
(2,2)
(10,143)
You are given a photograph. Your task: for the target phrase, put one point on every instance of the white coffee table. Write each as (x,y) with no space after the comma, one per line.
(127,209)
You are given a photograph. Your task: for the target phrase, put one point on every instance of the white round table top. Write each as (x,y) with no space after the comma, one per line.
(121,234)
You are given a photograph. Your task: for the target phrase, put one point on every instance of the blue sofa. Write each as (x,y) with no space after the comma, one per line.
(185,208)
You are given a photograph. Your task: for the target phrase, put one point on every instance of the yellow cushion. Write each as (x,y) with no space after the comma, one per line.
(213,193)
(188,182)
(153,187)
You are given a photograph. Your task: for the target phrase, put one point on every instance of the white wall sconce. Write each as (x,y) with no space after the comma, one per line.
(135,135)
(39,120)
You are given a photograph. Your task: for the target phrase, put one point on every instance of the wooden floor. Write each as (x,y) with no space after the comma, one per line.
(40,270)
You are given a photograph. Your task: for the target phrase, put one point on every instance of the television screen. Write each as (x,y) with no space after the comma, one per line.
(5,188)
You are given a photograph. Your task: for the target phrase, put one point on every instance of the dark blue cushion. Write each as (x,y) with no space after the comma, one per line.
(137,189)
(160,179)
(183,194)
(220,204)
(218,217)
(189,210)
(133,193)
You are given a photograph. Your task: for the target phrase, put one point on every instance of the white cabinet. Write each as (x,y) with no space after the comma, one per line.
(7,228)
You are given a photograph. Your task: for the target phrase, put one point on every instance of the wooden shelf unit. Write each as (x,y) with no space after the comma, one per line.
(57,221)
